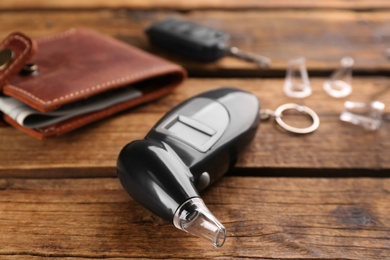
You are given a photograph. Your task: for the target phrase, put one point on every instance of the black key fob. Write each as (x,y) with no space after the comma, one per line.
(188,39)
(188,149)
(198,42)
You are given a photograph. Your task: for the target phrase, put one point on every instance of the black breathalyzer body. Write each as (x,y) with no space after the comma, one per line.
(188,149)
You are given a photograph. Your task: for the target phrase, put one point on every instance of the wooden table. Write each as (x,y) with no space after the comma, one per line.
(319,196)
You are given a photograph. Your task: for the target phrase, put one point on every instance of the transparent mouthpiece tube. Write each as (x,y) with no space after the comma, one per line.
(340,83)
(297,84)
(368,115)
(194,217)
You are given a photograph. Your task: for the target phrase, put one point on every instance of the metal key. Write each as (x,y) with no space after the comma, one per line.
(197,42)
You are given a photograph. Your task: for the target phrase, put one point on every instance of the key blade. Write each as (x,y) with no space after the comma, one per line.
(262,61)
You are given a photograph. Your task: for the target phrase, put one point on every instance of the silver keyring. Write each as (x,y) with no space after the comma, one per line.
(302,109)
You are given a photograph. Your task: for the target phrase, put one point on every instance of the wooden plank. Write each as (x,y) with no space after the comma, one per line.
(323,37)
(195,5)
(266,218)
(92,150)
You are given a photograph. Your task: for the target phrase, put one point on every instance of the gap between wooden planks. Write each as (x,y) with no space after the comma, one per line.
(267,218)
(93,150)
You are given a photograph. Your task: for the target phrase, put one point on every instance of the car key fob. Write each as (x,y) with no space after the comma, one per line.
(188,149)
(197,42)
(189,39)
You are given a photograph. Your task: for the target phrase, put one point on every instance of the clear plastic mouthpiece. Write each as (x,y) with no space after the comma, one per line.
(194,217)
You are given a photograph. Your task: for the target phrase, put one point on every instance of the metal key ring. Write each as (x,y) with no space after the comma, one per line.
(302,109)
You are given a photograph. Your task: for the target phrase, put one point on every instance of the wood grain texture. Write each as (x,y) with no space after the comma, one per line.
(266,218)
(194,5)
(49,210)
(323,37)
(92,150)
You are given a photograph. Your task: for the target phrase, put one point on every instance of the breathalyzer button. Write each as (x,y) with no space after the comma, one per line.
(204,181)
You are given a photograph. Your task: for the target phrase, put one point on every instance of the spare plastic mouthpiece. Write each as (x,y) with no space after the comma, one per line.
(195,218)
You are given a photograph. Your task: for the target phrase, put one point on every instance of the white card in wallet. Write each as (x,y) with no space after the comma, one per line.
(32,118)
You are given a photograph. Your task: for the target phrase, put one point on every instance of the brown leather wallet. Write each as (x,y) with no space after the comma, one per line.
(75,66)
